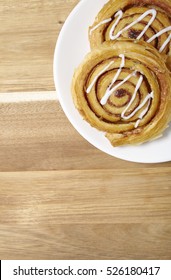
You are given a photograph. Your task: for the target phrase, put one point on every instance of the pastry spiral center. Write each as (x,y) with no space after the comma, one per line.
(116,87)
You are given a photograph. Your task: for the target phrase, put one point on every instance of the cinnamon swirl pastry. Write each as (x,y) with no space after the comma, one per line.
(124,89)
(147,20)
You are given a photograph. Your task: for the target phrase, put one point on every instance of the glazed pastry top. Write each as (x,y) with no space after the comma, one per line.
(144,22)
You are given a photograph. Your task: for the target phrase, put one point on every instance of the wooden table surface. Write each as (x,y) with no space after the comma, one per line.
(60,198)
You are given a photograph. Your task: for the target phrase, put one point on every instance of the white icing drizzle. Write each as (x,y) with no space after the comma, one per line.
(96,77)
(119,14)
(165,44)
(99,24)
(143,113)
(137,123)
(132,99)
(109,92)
(122,56)
(151,11)
(149,96)
(159,34)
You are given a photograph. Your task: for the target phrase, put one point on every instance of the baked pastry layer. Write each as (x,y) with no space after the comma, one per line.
(145,20)
(124,89)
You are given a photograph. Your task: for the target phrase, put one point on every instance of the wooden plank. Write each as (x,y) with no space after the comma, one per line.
(29,30)
(36,135)
(117,241)
(94,196)
(86,214)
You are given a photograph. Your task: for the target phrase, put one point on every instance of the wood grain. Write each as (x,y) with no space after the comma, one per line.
(28,31)
(86,214)
(60,198)
(35,135)
(90,241)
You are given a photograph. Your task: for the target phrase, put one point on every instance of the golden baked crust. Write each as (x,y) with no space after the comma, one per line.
(132,112)
(125,12)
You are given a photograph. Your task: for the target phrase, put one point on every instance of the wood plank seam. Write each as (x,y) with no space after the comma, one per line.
(17,97)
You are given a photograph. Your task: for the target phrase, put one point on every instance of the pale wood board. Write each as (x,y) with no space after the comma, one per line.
(86,214)
(60,198)
(28,31)
(36,135)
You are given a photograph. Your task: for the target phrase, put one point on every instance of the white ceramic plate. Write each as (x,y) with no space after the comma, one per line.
(71,47)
